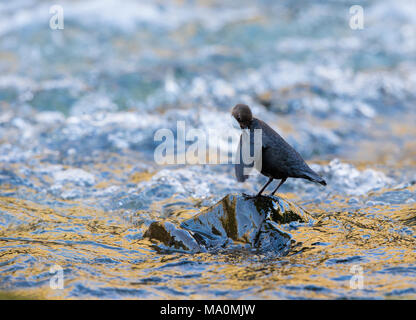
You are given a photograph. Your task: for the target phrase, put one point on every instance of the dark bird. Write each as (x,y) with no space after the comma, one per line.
(278,159)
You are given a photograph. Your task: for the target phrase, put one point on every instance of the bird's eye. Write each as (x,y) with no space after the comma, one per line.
(238,119)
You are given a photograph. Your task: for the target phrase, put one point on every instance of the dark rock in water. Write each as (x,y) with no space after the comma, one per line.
(236,220)
(172,237)
(246,220)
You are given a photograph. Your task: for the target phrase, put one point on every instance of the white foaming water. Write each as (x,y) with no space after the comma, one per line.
(76,176)
(345,178)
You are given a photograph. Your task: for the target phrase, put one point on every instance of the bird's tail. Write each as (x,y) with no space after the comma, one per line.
(322,181)
(314,177)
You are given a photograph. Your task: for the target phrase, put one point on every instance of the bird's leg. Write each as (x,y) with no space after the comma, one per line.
(281,182)
(264,187)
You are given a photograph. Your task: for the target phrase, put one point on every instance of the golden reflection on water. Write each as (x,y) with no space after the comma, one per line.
(92,244)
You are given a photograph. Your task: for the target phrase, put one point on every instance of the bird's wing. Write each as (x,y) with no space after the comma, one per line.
(285,156)
(269,136)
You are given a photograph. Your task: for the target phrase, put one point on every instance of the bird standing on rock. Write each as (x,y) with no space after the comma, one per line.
(278,159)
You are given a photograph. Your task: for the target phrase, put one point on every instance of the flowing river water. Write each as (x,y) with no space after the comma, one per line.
(79,108)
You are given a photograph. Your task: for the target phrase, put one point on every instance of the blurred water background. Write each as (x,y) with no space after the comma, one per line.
(79,108)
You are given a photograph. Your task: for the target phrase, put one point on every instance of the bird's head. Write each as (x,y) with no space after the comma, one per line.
(242,113)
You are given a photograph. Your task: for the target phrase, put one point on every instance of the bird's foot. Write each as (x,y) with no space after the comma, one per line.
(258,195)
(248,196)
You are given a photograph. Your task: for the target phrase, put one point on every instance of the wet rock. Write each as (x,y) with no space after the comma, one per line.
(236,220)
(172,237)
